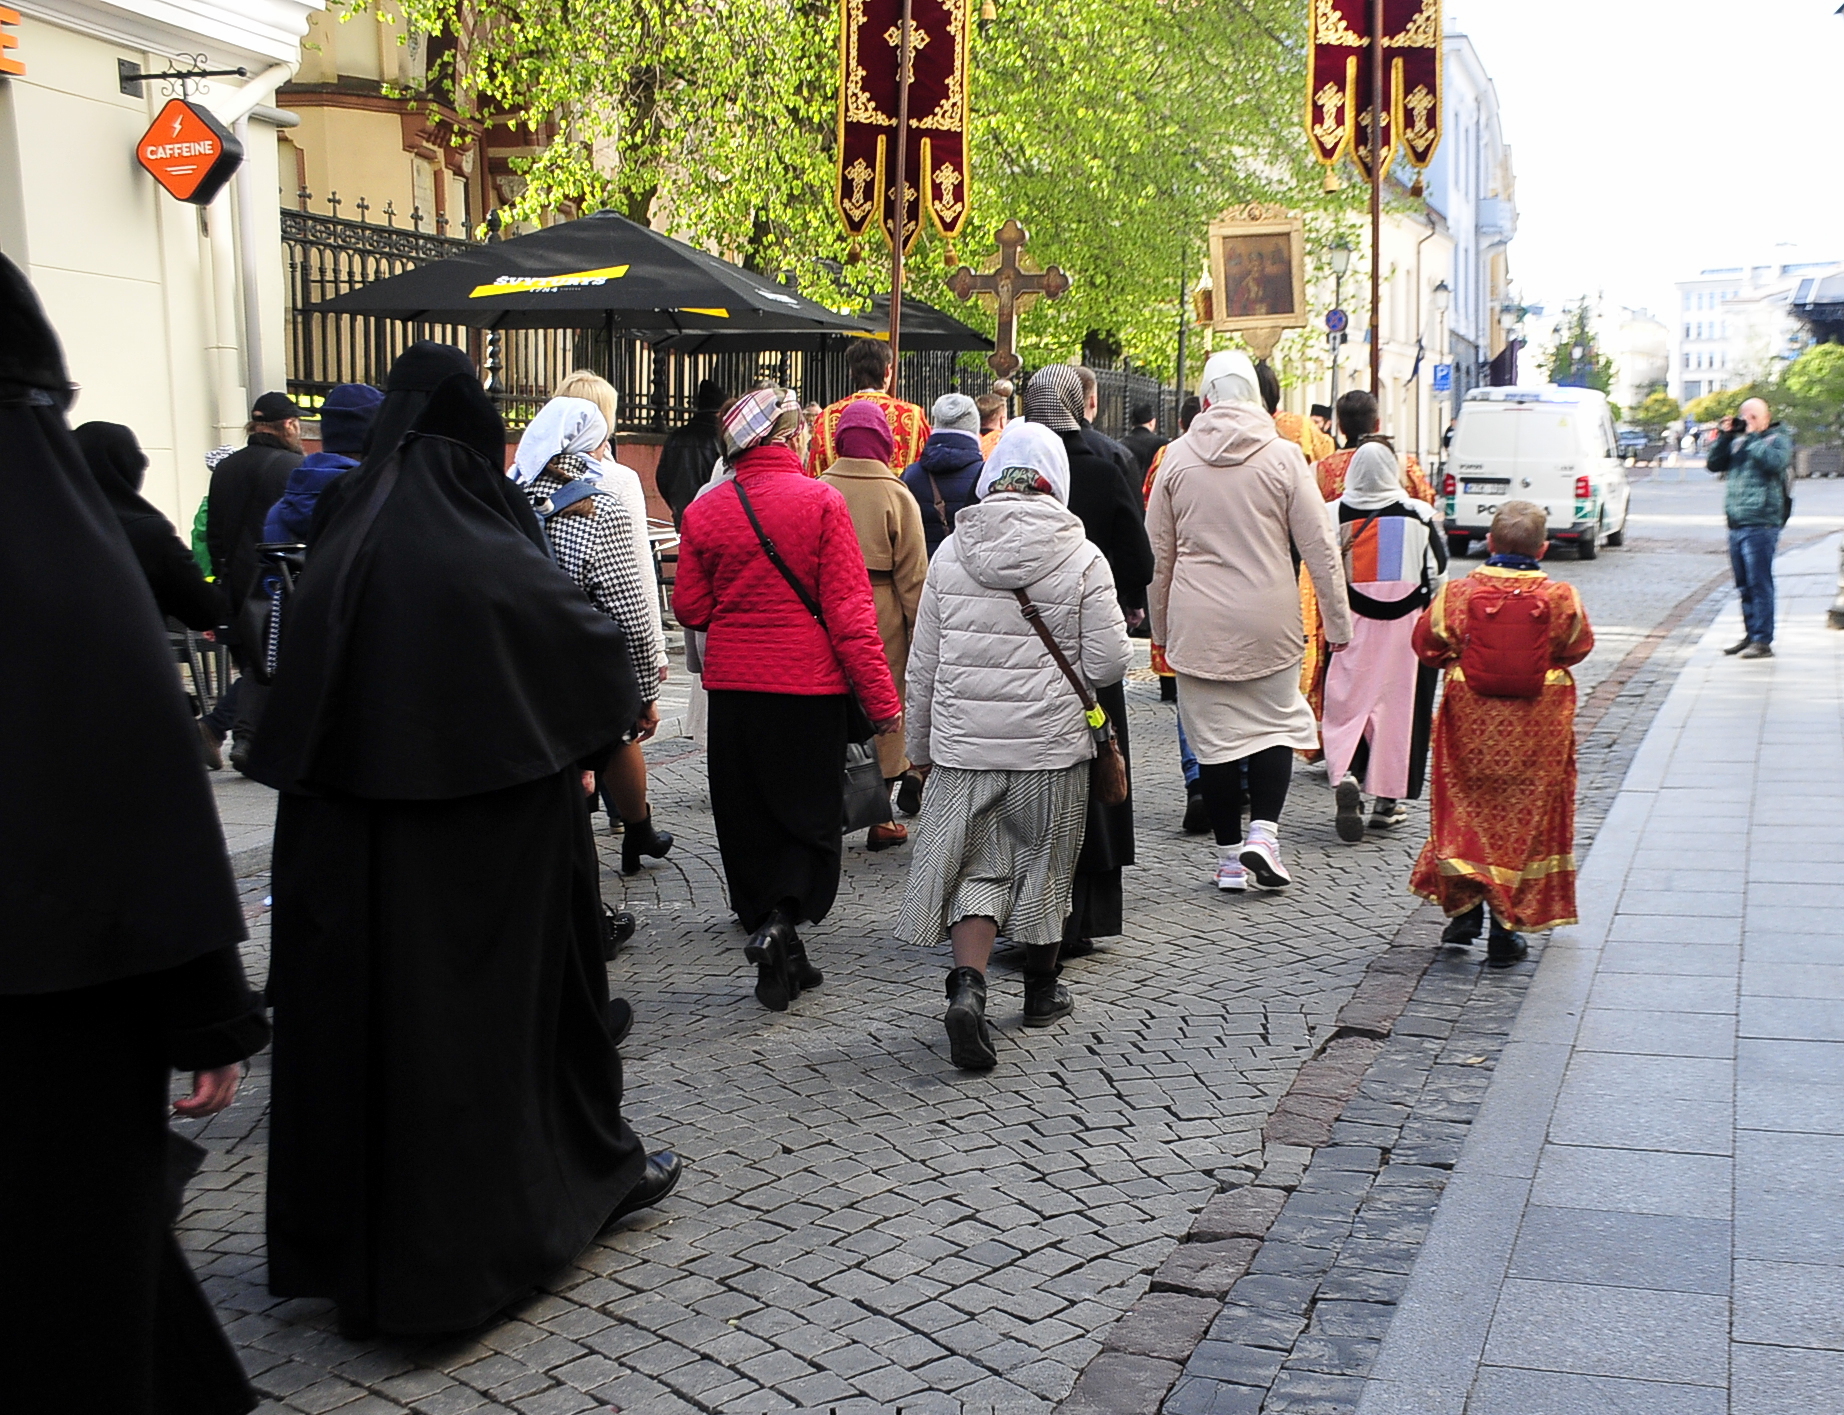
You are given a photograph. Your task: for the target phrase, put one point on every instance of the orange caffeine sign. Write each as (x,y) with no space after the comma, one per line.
(189,152)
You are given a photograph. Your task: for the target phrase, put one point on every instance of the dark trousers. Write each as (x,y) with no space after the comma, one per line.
(1226,793)
(1751,557)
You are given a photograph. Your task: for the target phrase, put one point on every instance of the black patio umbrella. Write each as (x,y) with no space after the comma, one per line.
(924,328)
(601,272)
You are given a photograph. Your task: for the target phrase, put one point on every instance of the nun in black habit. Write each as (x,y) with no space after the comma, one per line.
(119,923)
(1112,518)
(445,1126)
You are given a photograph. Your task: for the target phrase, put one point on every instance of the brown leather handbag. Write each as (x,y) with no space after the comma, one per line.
(1107,773)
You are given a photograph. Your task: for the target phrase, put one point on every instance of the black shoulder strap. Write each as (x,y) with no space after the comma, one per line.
(774,556)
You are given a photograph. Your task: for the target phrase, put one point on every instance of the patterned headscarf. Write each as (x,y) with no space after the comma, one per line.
(762,415)
(1029,457)
(1055,398)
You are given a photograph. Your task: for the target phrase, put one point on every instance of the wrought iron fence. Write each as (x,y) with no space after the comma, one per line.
(327,255)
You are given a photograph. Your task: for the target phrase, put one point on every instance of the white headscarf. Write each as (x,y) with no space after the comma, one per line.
(562,425)
(1374,479)
(1229,377)
(1034,447)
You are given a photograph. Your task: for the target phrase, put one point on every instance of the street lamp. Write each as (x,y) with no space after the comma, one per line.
(1441,297)
(1339,257)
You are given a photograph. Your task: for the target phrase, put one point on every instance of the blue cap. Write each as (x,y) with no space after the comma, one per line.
(345,417)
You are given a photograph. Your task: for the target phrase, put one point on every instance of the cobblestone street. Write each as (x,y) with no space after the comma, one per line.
(863,1228)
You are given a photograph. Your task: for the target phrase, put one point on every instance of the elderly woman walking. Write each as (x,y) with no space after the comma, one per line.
(889,526)
(1231,497)
(1001,730)
(1104,501)
(770,571)
(591,533)
(1379,697)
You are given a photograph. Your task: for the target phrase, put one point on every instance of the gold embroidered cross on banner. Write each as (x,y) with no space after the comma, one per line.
(918,41)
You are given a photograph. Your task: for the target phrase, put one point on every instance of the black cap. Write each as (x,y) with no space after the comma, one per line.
(274,408)
(1321,410)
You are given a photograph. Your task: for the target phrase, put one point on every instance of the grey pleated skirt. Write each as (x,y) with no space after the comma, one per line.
(1000,845)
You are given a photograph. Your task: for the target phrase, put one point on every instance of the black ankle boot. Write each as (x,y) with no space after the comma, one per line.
(1504,947)
(969,1043)
(640,838)
(1463,930)
(804,974)
(1045,999)
(768,950)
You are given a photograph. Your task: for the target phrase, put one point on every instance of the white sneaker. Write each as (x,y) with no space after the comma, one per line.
(1231,877)
(1261,856)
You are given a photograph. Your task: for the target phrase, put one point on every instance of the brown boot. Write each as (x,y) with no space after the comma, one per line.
(884,837)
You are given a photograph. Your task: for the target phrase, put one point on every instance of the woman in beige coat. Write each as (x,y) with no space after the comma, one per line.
(889,526)
(1224,601)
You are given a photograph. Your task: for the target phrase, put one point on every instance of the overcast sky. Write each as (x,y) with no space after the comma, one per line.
(1653,138)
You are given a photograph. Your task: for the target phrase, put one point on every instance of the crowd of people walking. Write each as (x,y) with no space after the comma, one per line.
(467,655)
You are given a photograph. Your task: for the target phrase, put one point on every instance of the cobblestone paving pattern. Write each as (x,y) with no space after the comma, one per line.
(861,1228)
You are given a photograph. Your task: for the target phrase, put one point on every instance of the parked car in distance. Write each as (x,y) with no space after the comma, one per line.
(1554,446)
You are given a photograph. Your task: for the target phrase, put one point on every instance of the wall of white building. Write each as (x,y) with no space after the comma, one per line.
(147,292)
(1733,324)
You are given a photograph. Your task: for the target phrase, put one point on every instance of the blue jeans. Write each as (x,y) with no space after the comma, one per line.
(1751,557)
(1186,758)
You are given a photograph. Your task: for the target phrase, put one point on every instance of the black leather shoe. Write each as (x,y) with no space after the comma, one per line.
(969,1043)
(768,950)
(802,972)
(1738,645)
(620,1019)
(1504,948)
(659,1179)
(1197,814)
(617,928)
(1464,929)
(1076,948)
(640,838)
(909,794)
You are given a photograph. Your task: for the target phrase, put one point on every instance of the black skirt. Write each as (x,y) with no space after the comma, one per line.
(446,1125)
(777,764)
(1095,901)
(86,1211)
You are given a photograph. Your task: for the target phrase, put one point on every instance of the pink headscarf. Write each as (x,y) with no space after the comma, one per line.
(864,431)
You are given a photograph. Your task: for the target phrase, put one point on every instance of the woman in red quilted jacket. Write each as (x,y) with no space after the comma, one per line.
(780,679)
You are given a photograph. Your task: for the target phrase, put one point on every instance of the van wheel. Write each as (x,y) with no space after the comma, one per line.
(1616,539)
(1589,546)
(1458,545)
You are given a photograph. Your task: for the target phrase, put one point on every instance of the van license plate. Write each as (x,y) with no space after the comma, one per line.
(1485,488)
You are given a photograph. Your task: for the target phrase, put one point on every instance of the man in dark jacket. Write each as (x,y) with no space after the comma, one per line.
(691,451)
(1754,454)
(1143,441)
(243,488)
(1098,441)
(943,478)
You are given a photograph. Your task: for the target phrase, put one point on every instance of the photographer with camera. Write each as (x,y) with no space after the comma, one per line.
(1754,454)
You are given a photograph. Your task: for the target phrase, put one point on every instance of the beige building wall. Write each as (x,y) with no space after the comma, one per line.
(146,292)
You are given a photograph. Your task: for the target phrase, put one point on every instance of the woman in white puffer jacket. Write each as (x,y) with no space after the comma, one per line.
(999,732)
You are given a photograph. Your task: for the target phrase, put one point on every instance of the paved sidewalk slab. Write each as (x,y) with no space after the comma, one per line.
(1644,1216)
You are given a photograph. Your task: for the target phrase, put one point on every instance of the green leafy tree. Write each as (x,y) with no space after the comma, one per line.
(1712,407)
(1657,413)
(1811,394)
(1113,131)
(1588,369)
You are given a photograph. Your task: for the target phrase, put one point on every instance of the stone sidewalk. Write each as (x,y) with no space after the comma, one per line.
(1645,1216)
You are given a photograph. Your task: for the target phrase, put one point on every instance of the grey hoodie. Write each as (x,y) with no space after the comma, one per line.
(984,693)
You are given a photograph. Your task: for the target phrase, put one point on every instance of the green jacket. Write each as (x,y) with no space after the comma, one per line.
(1759,468)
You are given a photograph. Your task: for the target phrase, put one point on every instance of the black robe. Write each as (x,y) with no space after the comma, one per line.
(446,1122)
(119,921)
(1111,518)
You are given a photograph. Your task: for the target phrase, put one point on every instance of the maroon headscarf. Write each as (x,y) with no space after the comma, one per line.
(864,431)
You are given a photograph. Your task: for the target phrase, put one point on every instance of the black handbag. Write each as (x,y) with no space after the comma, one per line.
(259,618)
(867,794)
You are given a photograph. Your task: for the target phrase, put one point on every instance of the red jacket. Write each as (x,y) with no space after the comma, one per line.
(761,639)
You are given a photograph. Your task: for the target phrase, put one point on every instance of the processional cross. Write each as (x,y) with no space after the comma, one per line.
(1009,288)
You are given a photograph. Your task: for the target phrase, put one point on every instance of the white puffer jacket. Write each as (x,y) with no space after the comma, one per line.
(984,692)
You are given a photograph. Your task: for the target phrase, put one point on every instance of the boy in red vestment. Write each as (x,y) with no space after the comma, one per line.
(870,365)
(1502,833)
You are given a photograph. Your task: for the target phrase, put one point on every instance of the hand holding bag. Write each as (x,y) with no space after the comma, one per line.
(1107,774)
(867,795)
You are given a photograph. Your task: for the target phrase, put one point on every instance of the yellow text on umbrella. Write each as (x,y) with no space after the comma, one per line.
(513,285)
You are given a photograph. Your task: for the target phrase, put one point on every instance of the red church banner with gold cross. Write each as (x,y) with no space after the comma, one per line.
(1338,76)
(870,48)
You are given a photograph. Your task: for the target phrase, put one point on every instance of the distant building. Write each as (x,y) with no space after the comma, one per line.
(1736,323)
(1639,343)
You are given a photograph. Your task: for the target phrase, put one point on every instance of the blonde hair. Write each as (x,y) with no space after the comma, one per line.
(1518,528)
(581,383)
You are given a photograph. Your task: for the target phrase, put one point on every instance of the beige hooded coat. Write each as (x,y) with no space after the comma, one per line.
(1225,599)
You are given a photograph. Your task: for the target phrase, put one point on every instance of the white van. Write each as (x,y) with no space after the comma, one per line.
(1554,446)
